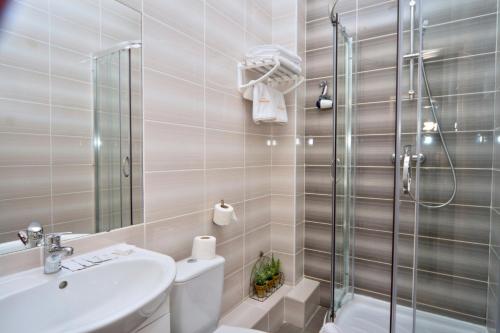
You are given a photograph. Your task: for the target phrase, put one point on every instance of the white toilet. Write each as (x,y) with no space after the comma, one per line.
(196,297)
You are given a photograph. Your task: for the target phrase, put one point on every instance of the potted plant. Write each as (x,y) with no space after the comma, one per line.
(268,271)
(276,267)
(260,283)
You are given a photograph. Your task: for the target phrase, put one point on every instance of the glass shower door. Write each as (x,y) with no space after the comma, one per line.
(445,123)
(344,171)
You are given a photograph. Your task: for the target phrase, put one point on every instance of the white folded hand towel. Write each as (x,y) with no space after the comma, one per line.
(330,328)
(270,49)
(268,105)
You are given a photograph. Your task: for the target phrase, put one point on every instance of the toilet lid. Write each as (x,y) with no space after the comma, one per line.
(232,329)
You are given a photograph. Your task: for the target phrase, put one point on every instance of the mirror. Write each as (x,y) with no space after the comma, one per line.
(70,119)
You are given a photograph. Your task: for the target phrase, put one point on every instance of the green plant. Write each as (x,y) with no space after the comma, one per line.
(275,266)
(260,278)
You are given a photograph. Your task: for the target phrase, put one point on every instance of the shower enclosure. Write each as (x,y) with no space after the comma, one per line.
(416,224)
(118,136)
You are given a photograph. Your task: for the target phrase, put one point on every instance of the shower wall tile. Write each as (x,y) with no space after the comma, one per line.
(318,180)
(437,12)
(457,112)
(318,208)
(376,20)
(467,150)
(375,58)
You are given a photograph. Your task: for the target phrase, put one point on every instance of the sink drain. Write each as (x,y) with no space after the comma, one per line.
(63,284)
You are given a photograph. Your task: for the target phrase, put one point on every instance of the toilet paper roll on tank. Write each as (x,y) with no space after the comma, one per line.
(224,214)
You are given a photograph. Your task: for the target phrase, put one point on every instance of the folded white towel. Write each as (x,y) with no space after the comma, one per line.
(268,105)
(330,328)
(277,50)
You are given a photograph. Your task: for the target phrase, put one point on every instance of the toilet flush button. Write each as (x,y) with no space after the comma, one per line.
(192,260)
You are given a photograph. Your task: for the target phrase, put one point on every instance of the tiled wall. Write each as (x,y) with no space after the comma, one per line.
(454,242)
(493,306)
(201,145)
(46,164)
(287,186)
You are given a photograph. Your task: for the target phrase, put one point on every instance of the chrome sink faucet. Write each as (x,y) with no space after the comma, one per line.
(32,236)
(53,253)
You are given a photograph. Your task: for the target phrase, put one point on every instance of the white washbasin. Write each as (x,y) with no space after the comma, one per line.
(114,296)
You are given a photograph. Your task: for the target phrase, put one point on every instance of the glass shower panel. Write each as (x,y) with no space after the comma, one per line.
(344,198)
(113,144)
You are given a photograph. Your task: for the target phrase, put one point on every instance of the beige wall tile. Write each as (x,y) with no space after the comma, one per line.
(258,181)
(219,30)
(178,105)
(257,213)
(232,251)
(187,18)
(21,81)
(72,150)
(225,184)
(224,149)
(174,237)
(257,241)
(18,213)
(282,238)
(24,117)
(233,292)
(172,147)
(24,181)
(169,194)
(224,111)
(168,51)
(283,180)
(282,209)
(75,206)
(257,150)
(24,149)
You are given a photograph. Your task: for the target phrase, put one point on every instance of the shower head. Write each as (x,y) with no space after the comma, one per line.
(431,54)
(331,10)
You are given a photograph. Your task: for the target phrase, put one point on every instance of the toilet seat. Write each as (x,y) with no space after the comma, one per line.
(232,329)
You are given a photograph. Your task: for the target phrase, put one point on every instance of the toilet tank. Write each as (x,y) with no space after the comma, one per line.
(196,295)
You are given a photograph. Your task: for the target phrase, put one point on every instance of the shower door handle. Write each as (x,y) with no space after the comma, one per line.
(407,157)
(126,167)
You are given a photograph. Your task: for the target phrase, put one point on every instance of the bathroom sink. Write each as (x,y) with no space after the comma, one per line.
(117,295)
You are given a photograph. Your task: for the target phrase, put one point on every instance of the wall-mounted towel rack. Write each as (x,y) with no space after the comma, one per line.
(274,70)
